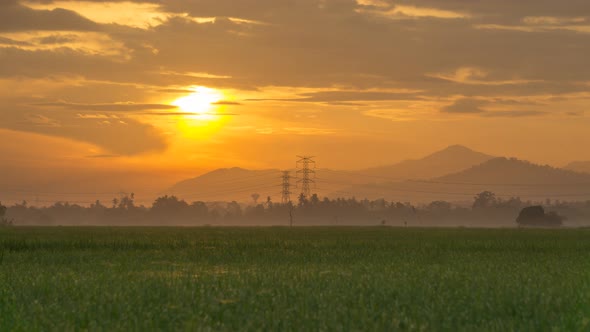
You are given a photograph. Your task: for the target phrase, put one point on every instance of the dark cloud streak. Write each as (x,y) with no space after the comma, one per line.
(16,17)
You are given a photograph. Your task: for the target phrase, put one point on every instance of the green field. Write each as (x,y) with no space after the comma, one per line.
(293,279)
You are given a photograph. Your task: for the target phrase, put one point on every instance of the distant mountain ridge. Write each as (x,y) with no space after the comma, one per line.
(464,173)
(228,184)
(449,160)
(506,177)
(514,171)
(238,183)
(579,166)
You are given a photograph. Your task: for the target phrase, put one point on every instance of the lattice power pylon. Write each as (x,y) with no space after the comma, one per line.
(305,174)
(286,192)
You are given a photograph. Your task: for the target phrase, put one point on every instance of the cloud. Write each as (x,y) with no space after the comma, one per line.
(138,14)
(343,96)
(511,9)
(226,102)
(535,28)
(553,20)
(116,135)
(303,46)
(464,106)
(16,17)
(514,113)
(126,138)
(484,108)
(58,39)
(106,107)
(63,42)
(412,12)
(102,156)
(189,114)
(478,76)
(12,42)
(325,54)
(397,115)
(309,131)
(41,120)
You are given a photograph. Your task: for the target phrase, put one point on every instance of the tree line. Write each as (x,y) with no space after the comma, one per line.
(485,210)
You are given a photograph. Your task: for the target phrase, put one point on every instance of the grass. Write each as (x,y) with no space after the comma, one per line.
(294,279)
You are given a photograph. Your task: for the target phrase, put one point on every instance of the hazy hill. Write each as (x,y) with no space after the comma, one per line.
(505,177)
(579,166)
(514,171)
(452,159)
(238,183)
(229,184)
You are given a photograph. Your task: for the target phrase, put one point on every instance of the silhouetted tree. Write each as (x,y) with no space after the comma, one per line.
(255,197)
(234,210)
(200,209)
(4,221)
(484,199)
(127,202)
(536,216)
(302,200)
(511,203)
(168,204)
(97,205)
(314,200)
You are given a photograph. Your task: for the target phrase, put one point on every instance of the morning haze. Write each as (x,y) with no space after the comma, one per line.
(294,165)
(136,96)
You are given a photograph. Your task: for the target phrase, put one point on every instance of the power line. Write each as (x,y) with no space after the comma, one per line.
(356,174)
(229,191)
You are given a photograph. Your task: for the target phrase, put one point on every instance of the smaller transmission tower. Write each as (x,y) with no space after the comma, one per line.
(305,174)
(286,192)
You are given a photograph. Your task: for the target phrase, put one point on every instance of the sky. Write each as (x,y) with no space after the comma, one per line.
(144,93)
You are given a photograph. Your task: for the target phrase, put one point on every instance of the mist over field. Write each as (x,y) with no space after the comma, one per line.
(452,187)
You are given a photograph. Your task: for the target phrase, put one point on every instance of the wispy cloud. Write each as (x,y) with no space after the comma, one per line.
(106,107)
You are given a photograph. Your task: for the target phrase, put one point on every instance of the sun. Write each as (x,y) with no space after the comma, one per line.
(200,103)
(201,113)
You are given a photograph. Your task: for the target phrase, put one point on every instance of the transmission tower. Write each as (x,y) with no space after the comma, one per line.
(286,192)
(305,174)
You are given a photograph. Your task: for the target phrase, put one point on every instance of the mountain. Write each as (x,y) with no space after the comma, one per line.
(579,166)
(513,171)
(503,176)
(452,159)
(238,183)
(229,184)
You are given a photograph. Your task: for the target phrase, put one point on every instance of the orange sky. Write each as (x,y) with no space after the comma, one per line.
(167,89)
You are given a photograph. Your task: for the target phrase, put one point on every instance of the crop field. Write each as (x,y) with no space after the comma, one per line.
(297,279)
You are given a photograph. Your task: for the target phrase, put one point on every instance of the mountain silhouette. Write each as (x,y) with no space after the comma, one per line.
(507,177)
(229,184)
(579,166)
(239,183)
(452,159)
(514,171)
(420,180)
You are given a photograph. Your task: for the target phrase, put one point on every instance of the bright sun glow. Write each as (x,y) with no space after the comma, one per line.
(199,104)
